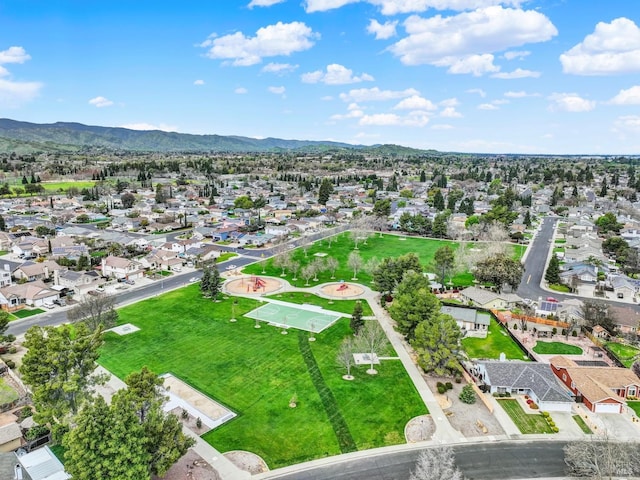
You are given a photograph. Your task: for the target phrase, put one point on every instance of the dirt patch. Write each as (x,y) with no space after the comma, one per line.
(247,461)
(190,421)
(473,420)
(342,290)
(190,467)
(253,285)
(419,429)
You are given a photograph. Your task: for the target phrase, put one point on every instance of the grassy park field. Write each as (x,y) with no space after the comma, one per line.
(377,246)
(342,306)
(255,373)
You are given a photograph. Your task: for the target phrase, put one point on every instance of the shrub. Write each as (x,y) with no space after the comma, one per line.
(554,330)
(507,394)
(10,363)
(545,414)
(533,406)
(555,429)
(467,395)
(524,329)
(185,413)
(12,350)
(496,394)
(439,384)
(441,389)
(458,379)
(515,326)
(574,334)
(198,422)
(449,385)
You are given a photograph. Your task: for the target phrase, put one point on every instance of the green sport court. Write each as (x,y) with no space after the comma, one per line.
(303,317)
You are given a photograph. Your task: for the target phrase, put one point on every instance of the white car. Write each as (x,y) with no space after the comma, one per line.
(194,279)
(231,267)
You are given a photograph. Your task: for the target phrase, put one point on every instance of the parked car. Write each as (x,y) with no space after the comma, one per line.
(130,282)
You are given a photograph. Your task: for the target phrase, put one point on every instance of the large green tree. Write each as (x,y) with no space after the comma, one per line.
(436,340)
(608,223)
(413,304)
(326,189)
(500,270)
(59,367)
(552,274)
(444,262)
(356,322)
(389,272)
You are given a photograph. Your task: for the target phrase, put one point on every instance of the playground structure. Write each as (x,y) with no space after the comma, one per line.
(342,287)
(342,290)
(253,285)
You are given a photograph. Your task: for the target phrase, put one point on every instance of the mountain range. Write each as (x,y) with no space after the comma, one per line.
(25,137)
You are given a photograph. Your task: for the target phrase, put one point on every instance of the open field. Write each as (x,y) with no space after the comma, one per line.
(526,422)
(376,246)
(556,348)
(498,341)
(256,372)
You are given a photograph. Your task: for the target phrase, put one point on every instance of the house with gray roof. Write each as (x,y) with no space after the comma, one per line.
(472,322)
(536,380)
(481,297)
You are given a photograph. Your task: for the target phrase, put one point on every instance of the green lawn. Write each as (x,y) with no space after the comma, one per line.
(625,353)
(342,306)
(225,256)
(24,313)
(497,341)
(255,372)
(558,287)
(556,348)
(582,424)
(635,406)
(7,393)
(526,422)
(63,186)
(377,246)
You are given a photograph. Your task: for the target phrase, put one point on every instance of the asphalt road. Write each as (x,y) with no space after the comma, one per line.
(485,461)
(536,262)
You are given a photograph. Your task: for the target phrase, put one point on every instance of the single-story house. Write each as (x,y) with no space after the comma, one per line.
(600,389)
(10,437)
(471,322)
(525,378)
(41,464)
(79,282)
(488,299)
(33,294)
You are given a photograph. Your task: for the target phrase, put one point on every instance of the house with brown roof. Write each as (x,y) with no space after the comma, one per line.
(600,389)
(121,268)
(33,294)
(31,271)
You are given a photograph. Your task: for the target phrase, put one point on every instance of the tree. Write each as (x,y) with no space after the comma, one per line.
(597,313)
(3,225)
(95,311)
(332,265)
(354,262)
(389,272)
(161,196)
(439,228)
(283,261)
(356,322)
(205,282)
(326,189)
(215,283)
(436,463)
(499,270)
(243,202)
(601,457)
(552,274)
(319,266)
(635,368)
(608,223)
(438,201)
(83,263)
(436,341)
(382,208)
(371,339)
(413,303)
(444,261)
(345,356)
(127,199)
(467,395)
(106,443)
(307,273)
(59,367)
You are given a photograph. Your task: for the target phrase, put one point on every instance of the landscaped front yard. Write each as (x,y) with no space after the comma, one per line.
(255,372)
(498,341)
(526,422)
(635,406)
(7,393)
(556,348)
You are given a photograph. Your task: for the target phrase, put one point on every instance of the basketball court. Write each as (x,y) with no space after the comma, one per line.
(303,317)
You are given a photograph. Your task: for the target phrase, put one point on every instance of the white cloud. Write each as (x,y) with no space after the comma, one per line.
(438,39)
(279,68)
(100,102)
(479,91)
(391,119)
(327,98)
(13,94)
(270,41)
(627,123)
(475,64)
(450,112)
(382,31)
(263,3)
(441,126)
(335,75)
(241,91)
(277,90)
(517,73)
(376,95)
(449,102)
(3,72)
(148,126)
(631,96)
(394,7)
(14,55)
(612,48)
(415,102)
(354,111)
(516,54)
(570,102)
(487,106)
(199,82)
(520,94)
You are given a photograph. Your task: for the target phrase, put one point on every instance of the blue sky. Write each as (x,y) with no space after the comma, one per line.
(543,76)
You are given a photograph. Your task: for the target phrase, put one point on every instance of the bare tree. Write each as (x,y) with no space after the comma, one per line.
(283,261)
(307,273)
(319,266)
(95,310)
(437,463)
(355,263)
(345,356)
(601,457)
(371,265)
(295,268)
(332,266)
(371,339)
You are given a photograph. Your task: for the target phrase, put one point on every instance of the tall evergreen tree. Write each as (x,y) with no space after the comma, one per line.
(552,275)
(326,189)
(357,321)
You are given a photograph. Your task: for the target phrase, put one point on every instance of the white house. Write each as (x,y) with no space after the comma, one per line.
(121,268)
